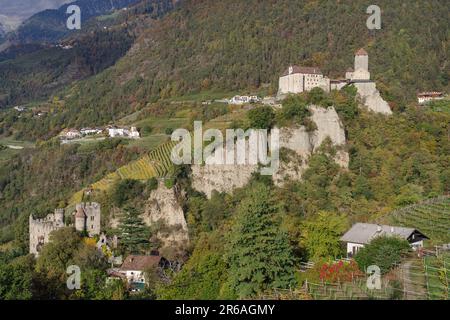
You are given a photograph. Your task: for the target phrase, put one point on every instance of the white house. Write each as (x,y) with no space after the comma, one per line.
(70,134)
(361,234)
(134,267)
(244,99)
(90,131)
(133,133)
(425,97)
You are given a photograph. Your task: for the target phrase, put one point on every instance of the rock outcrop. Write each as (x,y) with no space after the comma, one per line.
(164,214)
(371,97)
(226,178)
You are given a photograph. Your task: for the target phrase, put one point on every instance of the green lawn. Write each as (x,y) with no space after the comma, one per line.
(8,153)
(149,142)
(438,276)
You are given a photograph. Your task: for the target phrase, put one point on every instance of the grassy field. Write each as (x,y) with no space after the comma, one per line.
(8,153)
(437,275)
(156,163)
(150,142)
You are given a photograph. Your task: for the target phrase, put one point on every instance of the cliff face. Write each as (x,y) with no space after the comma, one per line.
(164,214)
(371,97)
(226,178)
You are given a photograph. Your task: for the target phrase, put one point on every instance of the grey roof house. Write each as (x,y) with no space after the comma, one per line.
(361,234)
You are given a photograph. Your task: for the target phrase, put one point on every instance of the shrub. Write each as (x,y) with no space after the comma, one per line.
(261,118)
(383,252)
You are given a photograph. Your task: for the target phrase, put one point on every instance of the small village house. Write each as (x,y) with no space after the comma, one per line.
(70,134)
(132,133)
(135,266)
(425,97)
(238,100)
(361,234)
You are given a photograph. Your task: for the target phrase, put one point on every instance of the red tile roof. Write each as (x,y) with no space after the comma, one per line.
(361,52)
(304,70)
(80,213)
(140,263)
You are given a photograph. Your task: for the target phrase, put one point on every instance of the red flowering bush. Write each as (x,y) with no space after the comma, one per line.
(338,271)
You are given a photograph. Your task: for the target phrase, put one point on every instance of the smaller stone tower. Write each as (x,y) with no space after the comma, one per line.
(87,218)
(80,218)
(361,71)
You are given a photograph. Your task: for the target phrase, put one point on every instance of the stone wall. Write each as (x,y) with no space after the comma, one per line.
(40,229)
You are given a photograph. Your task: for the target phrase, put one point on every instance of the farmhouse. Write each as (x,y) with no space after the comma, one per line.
(123,132)
(361,234)
(425,97)
(70,134)
(238,100)
(134,267)
(90,131)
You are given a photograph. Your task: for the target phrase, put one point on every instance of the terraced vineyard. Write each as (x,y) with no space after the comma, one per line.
(432,217)
(155,164)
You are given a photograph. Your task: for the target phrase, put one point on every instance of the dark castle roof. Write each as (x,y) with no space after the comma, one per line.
(304,70)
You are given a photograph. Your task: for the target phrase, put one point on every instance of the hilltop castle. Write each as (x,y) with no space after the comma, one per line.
(302,79)
(87,218)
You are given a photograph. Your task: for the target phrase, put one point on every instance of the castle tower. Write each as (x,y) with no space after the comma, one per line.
(80,218)
(361,71)
(59,216)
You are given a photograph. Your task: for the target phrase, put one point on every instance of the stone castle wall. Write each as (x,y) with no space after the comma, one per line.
(40,229)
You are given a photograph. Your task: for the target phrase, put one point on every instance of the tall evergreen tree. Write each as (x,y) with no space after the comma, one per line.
(258,252)
(133,232)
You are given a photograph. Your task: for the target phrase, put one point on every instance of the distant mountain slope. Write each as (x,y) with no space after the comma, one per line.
(94,49)
(242,45)
(50,25)
(26,8)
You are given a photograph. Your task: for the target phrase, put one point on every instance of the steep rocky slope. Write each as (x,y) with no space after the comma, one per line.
(225,178)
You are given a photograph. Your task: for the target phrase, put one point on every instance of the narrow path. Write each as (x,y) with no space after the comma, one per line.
(414,286)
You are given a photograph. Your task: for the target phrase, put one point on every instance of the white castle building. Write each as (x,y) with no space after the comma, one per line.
(87,218)
(302,79)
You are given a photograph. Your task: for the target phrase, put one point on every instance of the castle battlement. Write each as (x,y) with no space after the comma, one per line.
(87,218)
(40,229)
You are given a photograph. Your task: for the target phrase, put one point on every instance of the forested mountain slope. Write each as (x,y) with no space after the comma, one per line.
(243,45)
(97,46)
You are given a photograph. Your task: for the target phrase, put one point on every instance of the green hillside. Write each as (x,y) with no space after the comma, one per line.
(240,45)
(155,164)
(432,217)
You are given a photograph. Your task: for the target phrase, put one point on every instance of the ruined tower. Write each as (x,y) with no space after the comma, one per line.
(87,218)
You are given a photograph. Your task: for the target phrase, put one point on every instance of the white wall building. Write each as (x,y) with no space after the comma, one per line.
(361,70)
(132,133)
(425,97)
(300,79)
(135,266)
(238,100)
(361,234)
